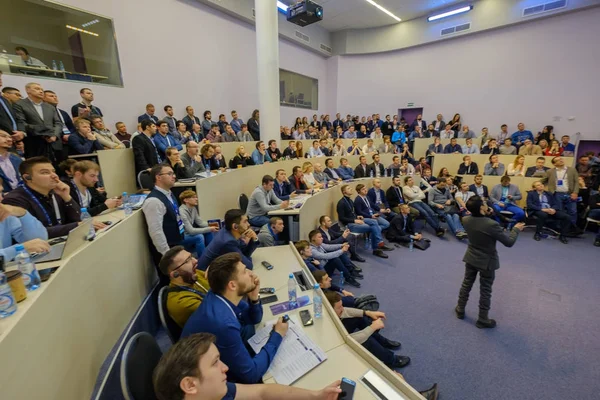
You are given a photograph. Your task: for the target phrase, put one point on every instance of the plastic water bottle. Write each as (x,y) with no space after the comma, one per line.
(61,66)
(341,285)
(292,292)
(54,67)
(317,302)
(126,204)
(367,242)
(8,304)
(207,166)
(411,246)
(85,215)
(31,277)
(371,173)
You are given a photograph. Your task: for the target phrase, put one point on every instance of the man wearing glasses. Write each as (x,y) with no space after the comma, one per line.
(161,210)
(187,285)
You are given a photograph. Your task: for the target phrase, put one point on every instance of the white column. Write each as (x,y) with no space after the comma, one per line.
(267,54)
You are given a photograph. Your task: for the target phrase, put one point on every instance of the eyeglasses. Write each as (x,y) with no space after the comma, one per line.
(168,173)
(187,260)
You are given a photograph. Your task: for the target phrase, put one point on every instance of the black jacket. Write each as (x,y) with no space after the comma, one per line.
(96,201)
(464,170)
(238,160)
(362,171)
(298,188)
(399,231)
(394,198)
(144,153)
(345,210)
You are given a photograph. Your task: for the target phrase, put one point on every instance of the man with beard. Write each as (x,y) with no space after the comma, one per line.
(231,319)
(187,285)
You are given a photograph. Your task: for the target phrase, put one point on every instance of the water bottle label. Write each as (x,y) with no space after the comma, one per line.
(27,279)
(6,301)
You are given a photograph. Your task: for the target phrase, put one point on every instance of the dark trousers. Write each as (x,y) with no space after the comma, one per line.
(337,263)
(486,280)
(564,220)
(373,343)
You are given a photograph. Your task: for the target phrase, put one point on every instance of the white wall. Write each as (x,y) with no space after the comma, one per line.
(530,72)
(182,53)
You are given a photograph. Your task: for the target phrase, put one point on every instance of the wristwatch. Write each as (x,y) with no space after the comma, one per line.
(255,302)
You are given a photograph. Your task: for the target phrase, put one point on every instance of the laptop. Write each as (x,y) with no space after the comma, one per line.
(13,59)
(64,248)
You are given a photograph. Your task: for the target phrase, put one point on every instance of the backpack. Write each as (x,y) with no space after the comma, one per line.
(367,302)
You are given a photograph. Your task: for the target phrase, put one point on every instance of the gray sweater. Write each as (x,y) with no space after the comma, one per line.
(261,202)
(192,223)
(437,197)
(265,238)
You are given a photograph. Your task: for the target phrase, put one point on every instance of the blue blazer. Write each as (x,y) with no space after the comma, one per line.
(373,199)
(145,116)
(361,208)
(80,145)
(473,189)
(449,149)
(162,143)
(533,201)
(224,242)
(68,121)
(15,161)
(283,190)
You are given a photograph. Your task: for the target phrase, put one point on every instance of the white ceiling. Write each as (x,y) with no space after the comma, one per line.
(358,14)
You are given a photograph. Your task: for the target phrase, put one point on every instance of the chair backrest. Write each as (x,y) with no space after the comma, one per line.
(173,330)
(144,180)
(140,357)
(243,202)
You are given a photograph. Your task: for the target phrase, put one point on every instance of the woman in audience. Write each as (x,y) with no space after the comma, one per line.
(455,124)
(543,145)
(305,122)
(297,123)
(299,149)
(444,173)
(174,161)
(241,158)
(339,149)
(546,134)
(309,179)
(517,167)
(554,150)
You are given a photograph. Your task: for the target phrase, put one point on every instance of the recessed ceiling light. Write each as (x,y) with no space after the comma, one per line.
(450,13)
(384,10)
(283,7)
(81,30)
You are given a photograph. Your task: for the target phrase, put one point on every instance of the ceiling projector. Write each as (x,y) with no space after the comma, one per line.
(304,13)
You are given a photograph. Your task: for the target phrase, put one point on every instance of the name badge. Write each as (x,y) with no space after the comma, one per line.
(559,182)
(503,199)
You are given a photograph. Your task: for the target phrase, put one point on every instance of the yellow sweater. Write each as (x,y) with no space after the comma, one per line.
(182,303)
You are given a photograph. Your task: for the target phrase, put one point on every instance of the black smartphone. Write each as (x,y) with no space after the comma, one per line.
(286,318)
(266,290)
(306,318)
(268,299)
(347,387)
(267,265)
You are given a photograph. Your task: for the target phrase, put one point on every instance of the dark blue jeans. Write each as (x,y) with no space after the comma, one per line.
(373,343)
(427,213)
(197,243)
(259,222)
(564,203)
(337,263)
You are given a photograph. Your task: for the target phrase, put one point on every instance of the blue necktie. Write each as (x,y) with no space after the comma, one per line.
(14,123)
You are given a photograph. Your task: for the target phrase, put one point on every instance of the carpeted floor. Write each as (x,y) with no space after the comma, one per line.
(546,301)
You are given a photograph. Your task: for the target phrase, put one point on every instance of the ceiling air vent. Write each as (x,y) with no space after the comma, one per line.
(302,36)
(551,6)
(455,29)
(326,48)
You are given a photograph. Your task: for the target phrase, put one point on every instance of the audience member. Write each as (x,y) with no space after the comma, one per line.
(504,196)
(17,226)
(333,257)
(485,137)
(543,145)
(538,170)
(236,122)
(494,167)
(8,119)
(269,233)
(339,149)
(84,141)
(237,237)
(402,228)
(254,125)
(468,167)
(363,326)
(67,125)
(469,147)
(45,197)
(554,150)
(395,197)
(149,115)
(231,319)
(376,168)
(219,160)
(546,134)
(9,163)
(354,149)
(229,134)
(331,236)
(290,151)
(260,155)
(365,209)
(173,160)
(406,168)
(562,182)
(519,137)
(399,136)
(297,181)
(263,200)
(530,149)
(145,154)
(195,229)
(517,167)
(378,200)
(39,121)
(320,176)
(190,119)
(172,122)
(466,133)
(308,176)
(192,161)
(282,187)
(369,147)
(439,123)
(348,217)
(325,148)
(350,133)
(107,139)
(507,148)
(273,151)
(431,132)
(122,135)
(453,147)
(331,171)
(492,148)
(315,150)
(362,170)
(207,122)
(244,135)
(503,135)
(85,108)
(241,158)
(196,134)
(461,197)
(299,133)
(415,197)
(568,149)
(542,205)
(27,59)
(83,189)
(595,213)
(187,285)
(421,166)
(448,133)
(479,188)
(441,201)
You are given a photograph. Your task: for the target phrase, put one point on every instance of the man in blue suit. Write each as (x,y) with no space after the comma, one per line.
(231,319)
(479,188)
(164,139)
(379,201)
(9,163)
(365,208)
(542,205)
(283,188)
(344,170)
(149,114)
(237,237)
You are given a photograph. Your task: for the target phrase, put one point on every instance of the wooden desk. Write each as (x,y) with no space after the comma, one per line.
(62,333)
(345,357)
